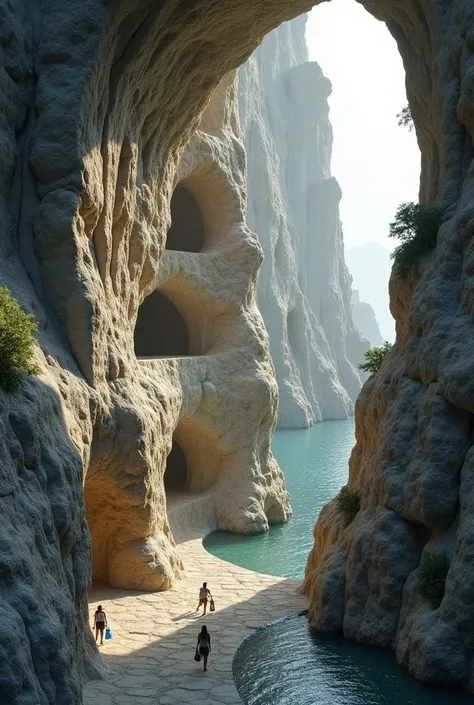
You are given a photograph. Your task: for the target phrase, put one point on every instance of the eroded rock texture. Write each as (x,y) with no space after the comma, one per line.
(98,102)
(413,460)
(304,290)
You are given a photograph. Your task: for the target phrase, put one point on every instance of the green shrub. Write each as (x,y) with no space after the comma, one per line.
(348,502)
(405,118)
(416,225)
(432,573)
(16,341)
(374,358)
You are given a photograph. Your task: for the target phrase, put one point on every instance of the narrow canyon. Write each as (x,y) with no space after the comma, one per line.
(132,167)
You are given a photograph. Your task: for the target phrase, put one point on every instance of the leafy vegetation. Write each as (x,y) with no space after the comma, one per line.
(16,342)
(416,225)
(374,358)
(348,502)
(405,118)
(432,574)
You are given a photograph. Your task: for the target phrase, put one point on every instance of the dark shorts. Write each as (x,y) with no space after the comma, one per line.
(100,626)
(204,650)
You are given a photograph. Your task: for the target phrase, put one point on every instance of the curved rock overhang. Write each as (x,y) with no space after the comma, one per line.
(100,102)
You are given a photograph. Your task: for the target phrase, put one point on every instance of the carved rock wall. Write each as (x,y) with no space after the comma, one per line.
(412,463)
(92,135)
(304,288)
(98,103)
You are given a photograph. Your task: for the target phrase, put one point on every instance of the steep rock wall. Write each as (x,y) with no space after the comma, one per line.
(92,135)
(98,103)
(412,463)
(304,288)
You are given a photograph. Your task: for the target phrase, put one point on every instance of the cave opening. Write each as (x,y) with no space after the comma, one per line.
(160,331)
(187,231)
(176,473)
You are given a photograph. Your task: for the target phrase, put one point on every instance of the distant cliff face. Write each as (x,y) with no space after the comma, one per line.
(365,320)
(370,266)
(304,291)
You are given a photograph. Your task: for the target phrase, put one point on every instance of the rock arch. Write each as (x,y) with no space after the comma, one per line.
(176,472)
(187,230)
(160,331)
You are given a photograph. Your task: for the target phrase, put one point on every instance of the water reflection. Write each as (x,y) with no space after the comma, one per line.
(284,664)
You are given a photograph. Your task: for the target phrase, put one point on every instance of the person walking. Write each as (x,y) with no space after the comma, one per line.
(100,623)
(204,596)
(204,645)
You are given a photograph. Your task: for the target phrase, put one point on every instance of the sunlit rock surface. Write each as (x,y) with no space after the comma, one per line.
(99,102)
(304,290)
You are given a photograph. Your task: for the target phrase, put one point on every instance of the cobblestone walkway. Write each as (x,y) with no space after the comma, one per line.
(150,658)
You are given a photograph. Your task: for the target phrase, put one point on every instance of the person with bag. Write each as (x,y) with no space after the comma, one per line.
(203,647)
(204,596)
(100,622)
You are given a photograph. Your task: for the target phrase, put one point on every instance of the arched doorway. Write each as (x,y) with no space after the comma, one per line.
(160,331)
(187,232)
(176,473)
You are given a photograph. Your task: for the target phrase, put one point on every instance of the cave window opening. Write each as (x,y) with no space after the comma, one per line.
(187,231)
(160,330)
(176,473)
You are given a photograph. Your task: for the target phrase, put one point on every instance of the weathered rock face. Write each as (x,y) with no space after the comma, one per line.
(413,460)
(98,104)
(365,320)
(293,205)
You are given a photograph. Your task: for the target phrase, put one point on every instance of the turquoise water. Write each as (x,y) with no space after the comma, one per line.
(314,461)
(284,664)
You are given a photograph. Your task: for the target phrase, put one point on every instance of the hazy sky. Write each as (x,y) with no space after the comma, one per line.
(376,162)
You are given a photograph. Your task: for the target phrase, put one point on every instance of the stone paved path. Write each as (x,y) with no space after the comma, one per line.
(150,658)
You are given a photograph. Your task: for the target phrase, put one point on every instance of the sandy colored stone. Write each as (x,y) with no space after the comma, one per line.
(142,668)
(99,102)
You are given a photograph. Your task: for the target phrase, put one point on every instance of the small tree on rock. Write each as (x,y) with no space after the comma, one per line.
(348,503)
(416,226)
(432,573)
(405,118)
(16,342)
(374,358)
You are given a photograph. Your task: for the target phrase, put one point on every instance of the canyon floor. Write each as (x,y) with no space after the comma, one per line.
(150,660)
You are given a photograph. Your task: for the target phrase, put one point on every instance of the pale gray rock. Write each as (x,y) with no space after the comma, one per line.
(414,455)
(364,318)
(98,103)
(304,288)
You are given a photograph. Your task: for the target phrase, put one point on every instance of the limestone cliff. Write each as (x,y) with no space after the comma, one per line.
(99,101)
(413,461)
(99,152)
(304,290)
(365,320)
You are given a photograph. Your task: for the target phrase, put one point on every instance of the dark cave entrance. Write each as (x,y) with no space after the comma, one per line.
(187,231)
(160,331)
(176,473)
